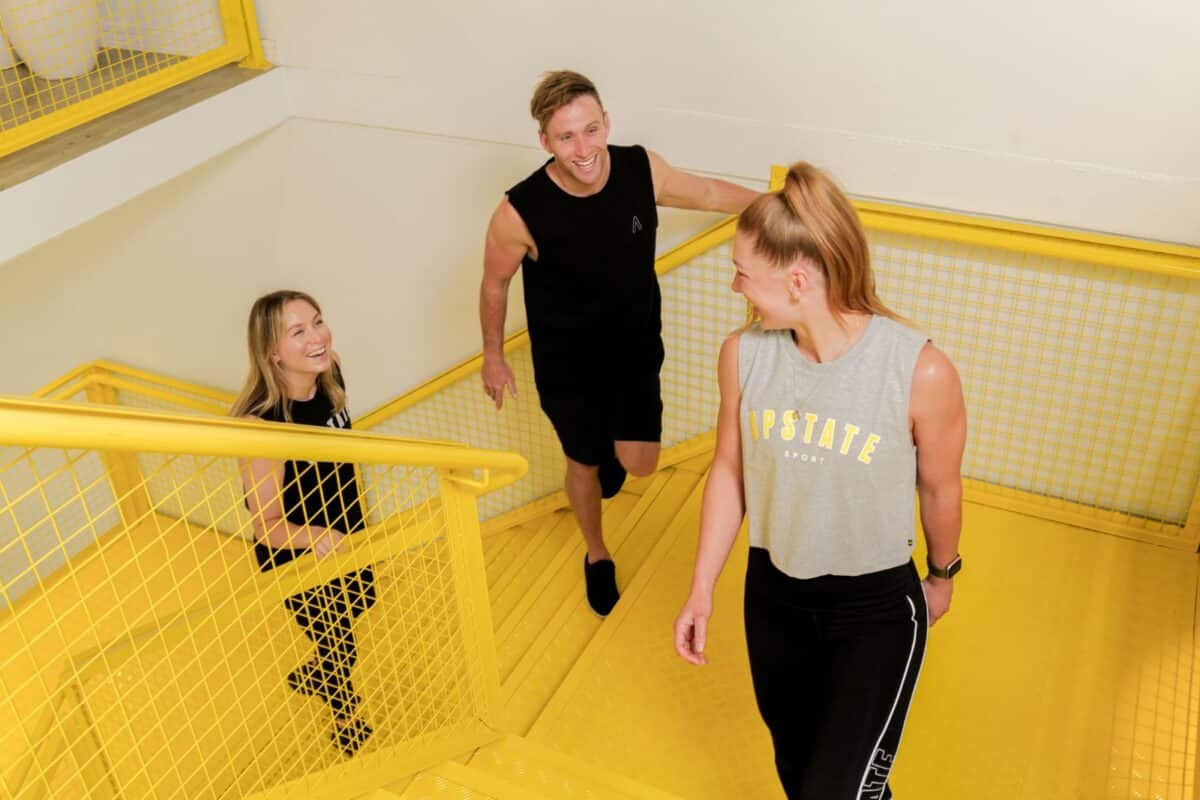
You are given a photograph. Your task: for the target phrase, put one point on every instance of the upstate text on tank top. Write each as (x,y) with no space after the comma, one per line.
(315,492)
(593,284)
(829,465)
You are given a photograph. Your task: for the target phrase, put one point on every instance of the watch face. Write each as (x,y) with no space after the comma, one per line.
(949,571)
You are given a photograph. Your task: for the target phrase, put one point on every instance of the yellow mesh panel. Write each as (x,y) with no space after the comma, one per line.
(65,62)
(55,503)
(461,412)
(143,654)
(699,311)
(696,318)
(1081,380)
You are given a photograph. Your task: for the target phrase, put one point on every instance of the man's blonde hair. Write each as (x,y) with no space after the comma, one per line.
(557,89)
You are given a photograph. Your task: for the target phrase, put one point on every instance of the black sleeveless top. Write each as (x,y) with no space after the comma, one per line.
(314,492)
(592,292)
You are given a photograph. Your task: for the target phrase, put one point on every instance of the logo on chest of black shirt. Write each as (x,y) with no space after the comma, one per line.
(637,224)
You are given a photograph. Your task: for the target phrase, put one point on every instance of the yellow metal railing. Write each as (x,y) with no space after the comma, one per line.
(1078,352)
(117,384)
(1079,358)
(143,654)
(698,312)
(65,62)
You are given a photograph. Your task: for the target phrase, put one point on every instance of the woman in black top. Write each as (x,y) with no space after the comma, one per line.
(303,506)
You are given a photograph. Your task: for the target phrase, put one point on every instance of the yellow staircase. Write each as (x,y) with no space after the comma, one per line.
(1073,689)
(515,768)
(142,655)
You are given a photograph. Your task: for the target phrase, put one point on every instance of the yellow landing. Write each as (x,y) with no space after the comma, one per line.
(516,769)
(1065,670)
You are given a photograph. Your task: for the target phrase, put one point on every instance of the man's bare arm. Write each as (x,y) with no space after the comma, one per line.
(506,244)
(677,189)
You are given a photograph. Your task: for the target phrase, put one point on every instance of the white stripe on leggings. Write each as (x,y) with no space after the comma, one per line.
(911,648)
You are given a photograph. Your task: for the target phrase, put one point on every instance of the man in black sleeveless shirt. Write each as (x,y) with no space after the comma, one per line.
(583,227)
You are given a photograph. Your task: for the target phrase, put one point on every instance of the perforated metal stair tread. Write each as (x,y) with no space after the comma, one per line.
(537,647)
(453,781)
(548,773)
(1098,676)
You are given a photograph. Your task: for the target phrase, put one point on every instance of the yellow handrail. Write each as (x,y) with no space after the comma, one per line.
(42,423)
(1141,255)
(104,370)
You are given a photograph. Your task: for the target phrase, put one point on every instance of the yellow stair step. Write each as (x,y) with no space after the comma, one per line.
(495,543)
(547,589)
(453,781)
(501,565)
(542,551)
(536,658)
(547,773)
(537,552)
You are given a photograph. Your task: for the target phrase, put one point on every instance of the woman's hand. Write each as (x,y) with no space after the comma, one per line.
(328,543)
(691,628)
(937,596)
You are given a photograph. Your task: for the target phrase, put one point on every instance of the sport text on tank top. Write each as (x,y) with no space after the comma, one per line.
(829,465)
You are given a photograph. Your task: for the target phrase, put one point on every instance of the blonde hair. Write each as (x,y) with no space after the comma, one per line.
(557,89)
(810,218)
(265,388)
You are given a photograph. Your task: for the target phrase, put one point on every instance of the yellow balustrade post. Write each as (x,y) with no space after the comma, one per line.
(778,176)
(257,59)
(123,472)
(1191,527)
(466,547)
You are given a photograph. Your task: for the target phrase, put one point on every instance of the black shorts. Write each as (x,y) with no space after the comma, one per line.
(589,417)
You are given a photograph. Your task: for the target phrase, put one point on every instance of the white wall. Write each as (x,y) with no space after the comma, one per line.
(1082,112)
(1085,118)
(392,227)
(384,227)
(153,282)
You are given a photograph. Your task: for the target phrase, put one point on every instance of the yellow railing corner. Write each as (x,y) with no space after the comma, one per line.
(257,58)
(778,176)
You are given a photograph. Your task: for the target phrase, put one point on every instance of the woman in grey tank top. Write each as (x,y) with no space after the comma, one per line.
(833,414)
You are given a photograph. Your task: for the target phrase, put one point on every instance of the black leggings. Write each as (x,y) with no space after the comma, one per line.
(326,613)
(835,661)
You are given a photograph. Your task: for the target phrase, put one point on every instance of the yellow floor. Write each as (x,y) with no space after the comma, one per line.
(1065,670)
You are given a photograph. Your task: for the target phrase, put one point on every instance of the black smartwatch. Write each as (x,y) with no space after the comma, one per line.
(947,572)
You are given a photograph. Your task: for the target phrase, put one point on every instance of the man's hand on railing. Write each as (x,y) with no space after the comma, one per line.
(497,375)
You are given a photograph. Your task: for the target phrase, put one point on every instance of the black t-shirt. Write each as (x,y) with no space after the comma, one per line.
(314,492)
(592,294)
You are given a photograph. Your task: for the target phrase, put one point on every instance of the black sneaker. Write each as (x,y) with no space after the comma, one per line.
(612,477)
(601,580)
(304,680)
(352,735)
